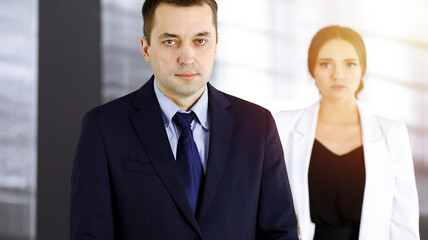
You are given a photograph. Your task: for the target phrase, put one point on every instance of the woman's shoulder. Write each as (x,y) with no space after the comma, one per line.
(391,129)
(388,122)
(394,131)
(388,125)
(289,115)
(301,120)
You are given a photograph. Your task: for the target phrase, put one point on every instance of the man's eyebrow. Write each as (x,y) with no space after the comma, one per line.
(171,35)
(203,34)
(168,35)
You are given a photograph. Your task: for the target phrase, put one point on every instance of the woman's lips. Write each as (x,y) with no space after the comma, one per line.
(338,87)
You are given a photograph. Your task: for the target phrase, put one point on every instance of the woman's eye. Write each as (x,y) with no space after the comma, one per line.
(325,65)
(351,65)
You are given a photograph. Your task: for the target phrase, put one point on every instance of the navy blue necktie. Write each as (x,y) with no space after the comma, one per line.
(188,160)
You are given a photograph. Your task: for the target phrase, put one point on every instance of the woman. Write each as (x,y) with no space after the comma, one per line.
(351,172)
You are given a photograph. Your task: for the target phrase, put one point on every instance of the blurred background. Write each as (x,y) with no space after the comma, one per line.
(261,57)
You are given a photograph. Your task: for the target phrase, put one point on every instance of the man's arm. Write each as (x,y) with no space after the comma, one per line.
(90,208)
(276,216)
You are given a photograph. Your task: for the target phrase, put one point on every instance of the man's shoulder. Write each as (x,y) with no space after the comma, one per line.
(126,104)
(238,104)
(115,107)
(244,103)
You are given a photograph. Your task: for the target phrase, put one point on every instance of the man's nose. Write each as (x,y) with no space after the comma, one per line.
(186,55)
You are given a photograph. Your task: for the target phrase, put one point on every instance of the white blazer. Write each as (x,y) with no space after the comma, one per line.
(390,208)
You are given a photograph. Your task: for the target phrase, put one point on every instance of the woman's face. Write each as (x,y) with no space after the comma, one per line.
(337,70)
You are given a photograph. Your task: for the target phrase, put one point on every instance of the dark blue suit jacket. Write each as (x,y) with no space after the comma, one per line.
(125,183)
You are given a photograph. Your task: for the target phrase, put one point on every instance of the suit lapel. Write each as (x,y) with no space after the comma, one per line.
(151,132)
(221,128)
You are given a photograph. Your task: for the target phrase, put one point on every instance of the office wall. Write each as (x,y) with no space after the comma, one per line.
(18,118)
(262,56)
(89,53)
(69,85)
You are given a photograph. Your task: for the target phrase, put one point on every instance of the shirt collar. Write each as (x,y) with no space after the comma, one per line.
(168,108)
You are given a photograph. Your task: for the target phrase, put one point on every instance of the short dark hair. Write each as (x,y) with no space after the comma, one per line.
(337,32)
(150,6)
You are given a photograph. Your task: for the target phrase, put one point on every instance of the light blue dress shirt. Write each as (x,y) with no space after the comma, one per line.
(200,125)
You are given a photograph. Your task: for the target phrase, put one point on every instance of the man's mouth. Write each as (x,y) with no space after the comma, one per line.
(187,75)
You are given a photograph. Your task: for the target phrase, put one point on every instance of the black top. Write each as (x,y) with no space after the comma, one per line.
(336,188)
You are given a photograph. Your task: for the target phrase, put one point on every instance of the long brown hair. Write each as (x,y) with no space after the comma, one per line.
(337,32)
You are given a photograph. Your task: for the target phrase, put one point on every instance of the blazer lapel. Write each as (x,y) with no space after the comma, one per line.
(221,128)
(151,132)
(302,138)
(377,170)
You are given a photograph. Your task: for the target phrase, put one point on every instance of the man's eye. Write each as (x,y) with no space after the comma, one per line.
(169,42)
(201,41)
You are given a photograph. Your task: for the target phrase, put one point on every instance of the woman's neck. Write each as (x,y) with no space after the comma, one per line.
(338,111)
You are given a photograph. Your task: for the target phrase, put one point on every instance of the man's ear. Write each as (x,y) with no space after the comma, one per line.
(216,42)
(145,49)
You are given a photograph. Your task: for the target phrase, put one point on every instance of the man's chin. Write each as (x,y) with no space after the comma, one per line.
(187,91)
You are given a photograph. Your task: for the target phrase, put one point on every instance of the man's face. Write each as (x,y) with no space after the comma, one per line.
(182,49)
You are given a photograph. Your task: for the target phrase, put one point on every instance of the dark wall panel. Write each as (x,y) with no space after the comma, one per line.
(69,85)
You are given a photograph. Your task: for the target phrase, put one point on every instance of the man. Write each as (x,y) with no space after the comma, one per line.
(179,159)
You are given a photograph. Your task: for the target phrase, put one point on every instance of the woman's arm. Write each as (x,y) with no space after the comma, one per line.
(405,210)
